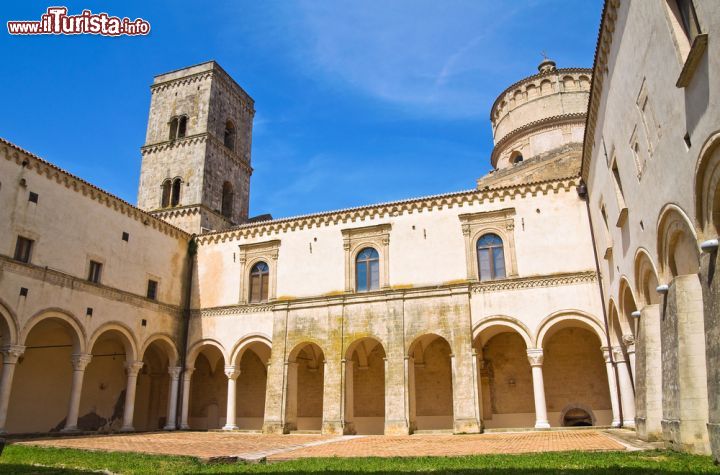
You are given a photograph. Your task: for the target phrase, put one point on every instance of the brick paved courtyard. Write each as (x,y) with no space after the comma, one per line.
(223,445)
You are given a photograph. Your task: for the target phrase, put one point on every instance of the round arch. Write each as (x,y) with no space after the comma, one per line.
(8,325)
(312,343)
(358,343)
(164,341)
(78,333)
(245,343)
(197,347)
(561,319)
(503,321)
(678,252)
(127,339)
(707,187)
(646,278)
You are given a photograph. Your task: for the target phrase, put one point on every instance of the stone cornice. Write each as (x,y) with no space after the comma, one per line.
(391,209)
(186,210)
(600,66)
(42,167)
(556,72)
(442,290)
(553,280)
(546,123)
(204,137)
(62,279)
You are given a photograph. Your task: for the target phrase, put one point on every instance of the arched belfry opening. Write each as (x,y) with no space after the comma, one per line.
(227,200)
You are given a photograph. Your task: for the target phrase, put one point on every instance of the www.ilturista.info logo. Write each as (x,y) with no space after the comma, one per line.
(57,22)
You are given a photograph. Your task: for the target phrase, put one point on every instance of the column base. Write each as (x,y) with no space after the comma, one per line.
(69,430)
(615,424)
(169,427)
(127,429)
(396,428)
(629,424)
(714,434)
(332,428)
(276,427)
(184,427)
(230,427)
(466,426)
(542,425)
(349,428)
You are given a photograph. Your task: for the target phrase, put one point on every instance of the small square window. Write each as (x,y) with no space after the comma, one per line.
(143,322)
(152,289)
(125,236)
(95,272)
(23,249)
(23,292)
(33,197)
(89,312)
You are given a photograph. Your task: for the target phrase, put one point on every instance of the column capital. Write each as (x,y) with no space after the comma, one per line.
(189,372)
(11,353)
(174,372)
(606,354)
(81,360)
(535,356)
(618,354)
(629,342)
(134,367)
(232,371)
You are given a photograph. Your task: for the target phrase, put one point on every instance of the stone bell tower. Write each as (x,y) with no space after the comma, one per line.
(196,159)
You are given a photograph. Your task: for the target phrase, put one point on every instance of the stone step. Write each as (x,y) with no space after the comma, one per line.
(532,429)
(305,431)
(433,432)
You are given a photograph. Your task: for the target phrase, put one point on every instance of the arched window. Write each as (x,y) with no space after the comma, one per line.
(165,201)
(175,198)
(173,128)
(182,127)
(229,137)
(259,277)
(367,270)
(227,199)
(490,256)
(516,157)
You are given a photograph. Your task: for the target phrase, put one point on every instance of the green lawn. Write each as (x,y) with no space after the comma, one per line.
(23,459)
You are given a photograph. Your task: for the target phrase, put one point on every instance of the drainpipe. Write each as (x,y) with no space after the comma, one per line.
(192,251)
(582,192)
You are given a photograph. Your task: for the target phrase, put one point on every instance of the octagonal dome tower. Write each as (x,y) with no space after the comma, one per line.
(539,114)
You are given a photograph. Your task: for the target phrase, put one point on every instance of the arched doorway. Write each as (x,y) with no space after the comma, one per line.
(251,384)
(153,384)
(431,391)
(506,385)
(102,403)
(43,378)
(305,384)
(365,387)
(574,371)
(208,388)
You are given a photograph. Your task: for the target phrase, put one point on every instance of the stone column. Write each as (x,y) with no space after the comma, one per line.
(629,342)
(232,373)
(476,359)
(332,397)
(535,357)
(11,354)
(614,404)
(410,407)
(79,362)
(648,375)
(627,395)
(349,399)
(185,410)
(133,368)
(174,372)
(291,396)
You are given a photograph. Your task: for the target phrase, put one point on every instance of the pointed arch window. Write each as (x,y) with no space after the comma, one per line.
(259,277)
(175,195)
(227,199)
(165,200)
(491,257)
(367,270)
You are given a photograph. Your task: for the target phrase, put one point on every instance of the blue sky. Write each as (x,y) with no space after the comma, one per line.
(357,102)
